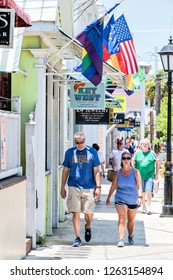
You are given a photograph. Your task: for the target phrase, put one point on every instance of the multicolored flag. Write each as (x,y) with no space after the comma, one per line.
(130,84)
(120,45)
(91,39)
(139,77)
(134,81)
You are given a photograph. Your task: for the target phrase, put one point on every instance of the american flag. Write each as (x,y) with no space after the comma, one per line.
(120,41)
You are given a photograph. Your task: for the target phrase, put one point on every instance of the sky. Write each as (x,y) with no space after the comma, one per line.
(151,24)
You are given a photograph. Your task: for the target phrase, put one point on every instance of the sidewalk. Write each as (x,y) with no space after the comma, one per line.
(153,236)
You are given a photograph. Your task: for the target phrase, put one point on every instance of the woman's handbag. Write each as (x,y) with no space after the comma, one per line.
(110,175)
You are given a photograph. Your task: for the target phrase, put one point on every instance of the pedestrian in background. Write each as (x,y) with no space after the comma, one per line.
(129,147)
(132,143)
(148,164)
(136,141)
(81,168)
(115,155)
(128,195)
(101,158)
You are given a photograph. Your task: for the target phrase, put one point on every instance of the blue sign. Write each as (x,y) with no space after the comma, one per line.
(87,96)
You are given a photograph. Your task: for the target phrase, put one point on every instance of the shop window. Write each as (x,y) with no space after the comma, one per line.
(5,91)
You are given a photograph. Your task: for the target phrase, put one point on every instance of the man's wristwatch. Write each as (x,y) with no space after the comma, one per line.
(139,196)
(98,187)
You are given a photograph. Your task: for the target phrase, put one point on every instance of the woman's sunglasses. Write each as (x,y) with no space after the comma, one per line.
(126,158)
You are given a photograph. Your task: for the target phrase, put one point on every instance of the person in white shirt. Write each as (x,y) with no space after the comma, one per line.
(115,155)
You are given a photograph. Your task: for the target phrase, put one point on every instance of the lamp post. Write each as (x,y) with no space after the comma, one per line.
(166,55)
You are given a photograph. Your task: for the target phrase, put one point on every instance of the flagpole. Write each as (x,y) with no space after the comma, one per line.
(122,13)
(74,39)
(60,50)
(111,9)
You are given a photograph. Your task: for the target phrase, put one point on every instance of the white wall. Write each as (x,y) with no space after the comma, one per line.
(13,222)
(66,14)
(84,14)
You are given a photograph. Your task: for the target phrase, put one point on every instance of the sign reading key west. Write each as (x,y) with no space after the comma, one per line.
(87,96)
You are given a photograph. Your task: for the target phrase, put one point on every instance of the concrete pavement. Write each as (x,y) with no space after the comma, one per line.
(153,235)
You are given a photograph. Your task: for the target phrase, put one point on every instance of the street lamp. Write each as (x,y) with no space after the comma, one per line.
(166,55)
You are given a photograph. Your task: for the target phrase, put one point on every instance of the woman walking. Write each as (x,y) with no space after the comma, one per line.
(128,195)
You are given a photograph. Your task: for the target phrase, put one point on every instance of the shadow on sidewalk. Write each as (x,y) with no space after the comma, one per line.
(104,231)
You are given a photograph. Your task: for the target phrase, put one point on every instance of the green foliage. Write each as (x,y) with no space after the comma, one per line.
(146,132)
(156,141)
(151,87)
(161,119)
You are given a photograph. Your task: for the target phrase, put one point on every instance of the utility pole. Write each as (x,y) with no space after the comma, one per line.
(151,128)
(158,100)
(156,64)
(158,93)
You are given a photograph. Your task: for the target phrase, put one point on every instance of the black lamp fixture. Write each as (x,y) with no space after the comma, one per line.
(166,55)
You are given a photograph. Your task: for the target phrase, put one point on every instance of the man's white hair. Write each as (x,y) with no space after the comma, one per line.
(79,135)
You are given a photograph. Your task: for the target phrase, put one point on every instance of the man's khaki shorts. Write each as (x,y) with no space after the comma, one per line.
(80,200)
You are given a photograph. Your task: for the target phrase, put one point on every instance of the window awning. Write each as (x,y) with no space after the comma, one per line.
(22,19)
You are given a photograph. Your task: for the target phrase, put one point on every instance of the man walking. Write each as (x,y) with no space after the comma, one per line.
(81,168)
(115,155)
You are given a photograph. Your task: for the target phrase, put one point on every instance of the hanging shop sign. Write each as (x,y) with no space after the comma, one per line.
(128,123)
(122,101)
(6,28)
(111,102)
(116,118)
(92,116)
(87,96)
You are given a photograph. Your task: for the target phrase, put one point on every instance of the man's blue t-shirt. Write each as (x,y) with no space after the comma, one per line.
(81,164)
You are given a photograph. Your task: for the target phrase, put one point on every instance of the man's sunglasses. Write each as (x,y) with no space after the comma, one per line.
(126,158)
(78,143)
